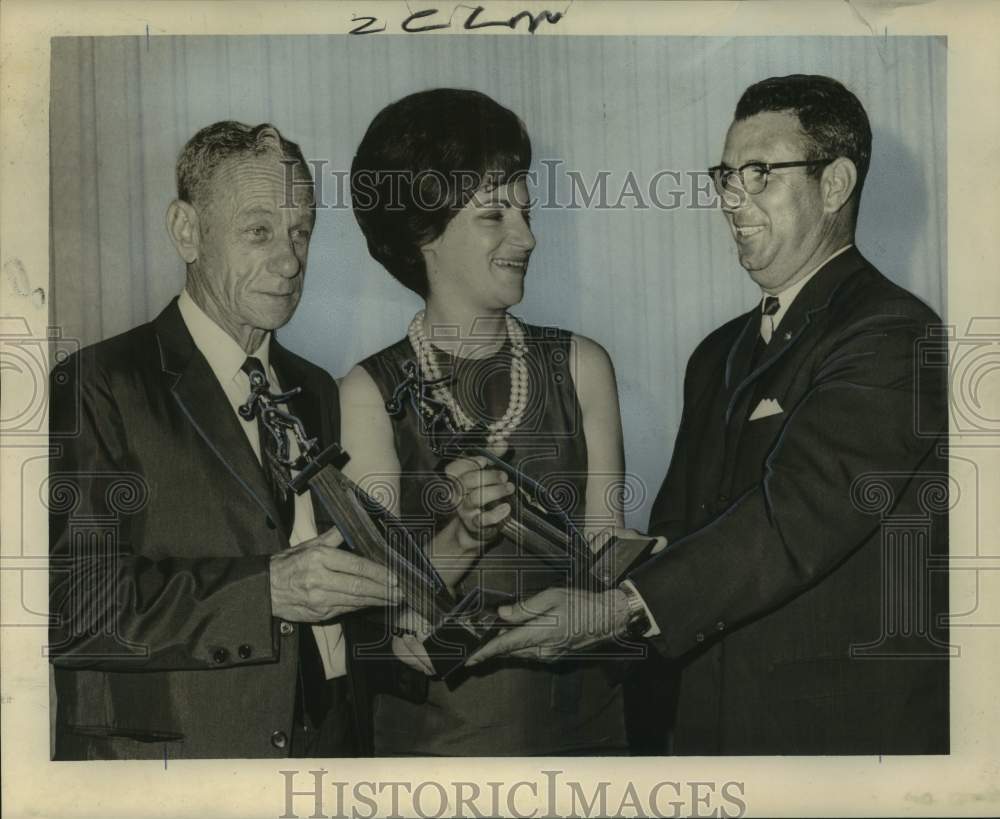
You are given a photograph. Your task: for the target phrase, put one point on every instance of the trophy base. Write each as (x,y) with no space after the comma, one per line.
(474,621)
(619,557)
(469,626)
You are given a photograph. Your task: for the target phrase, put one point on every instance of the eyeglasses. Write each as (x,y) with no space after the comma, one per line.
(753,175)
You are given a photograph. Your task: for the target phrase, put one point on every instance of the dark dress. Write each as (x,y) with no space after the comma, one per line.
(505,707)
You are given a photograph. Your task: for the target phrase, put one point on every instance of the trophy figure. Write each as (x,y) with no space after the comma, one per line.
(537,522)
(459,626)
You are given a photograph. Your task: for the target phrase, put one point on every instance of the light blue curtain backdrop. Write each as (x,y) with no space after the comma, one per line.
(647,283)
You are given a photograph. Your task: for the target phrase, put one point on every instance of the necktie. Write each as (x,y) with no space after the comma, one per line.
(770,307)
(313,697)
(768,310)
(277,474)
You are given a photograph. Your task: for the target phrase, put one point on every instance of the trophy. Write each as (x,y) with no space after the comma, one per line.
(459,626)
(537,522)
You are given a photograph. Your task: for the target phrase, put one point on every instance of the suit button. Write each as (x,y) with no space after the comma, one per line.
(699,637)
(270,523)
(723,498)
(720,626)
(219,656)
(245,651)
(286,628)
(278,739)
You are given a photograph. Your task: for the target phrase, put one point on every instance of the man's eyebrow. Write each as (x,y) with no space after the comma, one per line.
(727,167)
(256,210)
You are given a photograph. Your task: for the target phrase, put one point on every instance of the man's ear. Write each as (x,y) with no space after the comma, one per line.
(839,179)
(182,225)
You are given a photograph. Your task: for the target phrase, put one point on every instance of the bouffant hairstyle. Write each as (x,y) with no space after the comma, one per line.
(420,161)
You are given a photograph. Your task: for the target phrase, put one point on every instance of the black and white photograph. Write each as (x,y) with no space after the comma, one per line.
(511,409)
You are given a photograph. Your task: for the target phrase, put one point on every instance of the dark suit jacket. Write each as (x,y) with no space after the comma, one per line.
(797,539)
(161,526)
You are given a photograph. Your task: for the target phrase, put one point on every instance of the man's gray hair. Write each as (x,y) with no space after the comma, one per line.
(215,144)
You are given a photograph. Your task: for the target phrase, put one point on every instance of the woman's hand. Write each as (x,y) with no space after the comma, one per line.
(476,486)
(460,543)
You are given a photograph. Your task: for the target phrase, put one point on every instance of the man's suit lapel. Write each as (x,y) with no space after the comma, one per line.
(738,360)
(814,299)
(203,401)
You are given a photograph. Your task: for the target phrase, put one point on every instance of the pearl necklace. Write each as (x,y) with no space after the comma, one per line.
(498,431)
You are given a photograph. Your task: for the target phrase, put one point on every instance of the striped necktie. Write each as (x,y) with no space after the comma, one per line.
(770,306)
(768,309)
(277,473)
(313,696)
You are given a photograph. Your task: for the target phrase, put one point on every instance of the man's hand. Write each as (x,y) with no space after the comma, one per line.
(316,581)
(556,623)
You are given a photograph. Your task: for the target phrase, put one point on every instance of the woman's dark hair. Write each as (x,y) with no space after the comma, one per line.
(420,161)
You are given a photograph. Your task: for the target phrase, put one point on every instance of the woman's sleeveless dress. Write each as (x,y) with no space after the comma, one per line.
(503,707)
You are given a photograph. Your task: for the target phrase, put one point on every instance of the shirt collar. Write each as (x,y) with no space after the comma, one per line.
(787,296)
(220,349)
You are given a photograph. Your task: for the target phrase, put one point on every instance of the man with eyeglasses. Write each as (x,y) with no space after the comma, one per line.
(798,466)
(805,507)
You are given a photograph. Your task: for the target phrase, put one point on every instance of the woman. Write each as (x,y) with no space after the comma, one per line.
(438,190)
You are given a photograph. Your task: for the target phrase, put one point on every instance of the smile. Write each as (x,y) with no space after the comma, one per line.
(744,232)
(517,264)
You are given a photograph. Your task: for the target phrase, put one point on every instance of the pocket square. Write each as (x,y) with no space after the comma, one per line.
(766,408)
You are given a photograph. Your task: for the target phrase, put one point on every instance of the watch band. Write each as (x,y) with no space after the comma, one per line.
(638,620)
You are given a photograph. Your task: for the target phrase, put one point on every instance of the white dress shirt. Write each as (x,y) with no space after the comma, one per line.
(787,296)
(225,357)
(785,299)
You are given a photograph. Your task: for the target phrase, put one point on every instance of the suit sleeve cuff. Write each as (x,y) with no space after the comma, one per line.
(654,629)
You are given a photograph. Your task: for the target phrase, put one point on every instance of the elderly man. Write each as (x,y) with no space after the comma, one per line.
(188,635)
(800,625)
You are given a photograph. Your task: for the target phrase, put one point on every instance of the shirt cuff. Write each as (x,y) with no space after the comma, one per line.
(654,629)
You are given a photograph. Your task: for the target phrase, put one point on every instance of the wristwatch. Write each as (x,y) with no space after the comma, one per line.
(638,620)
